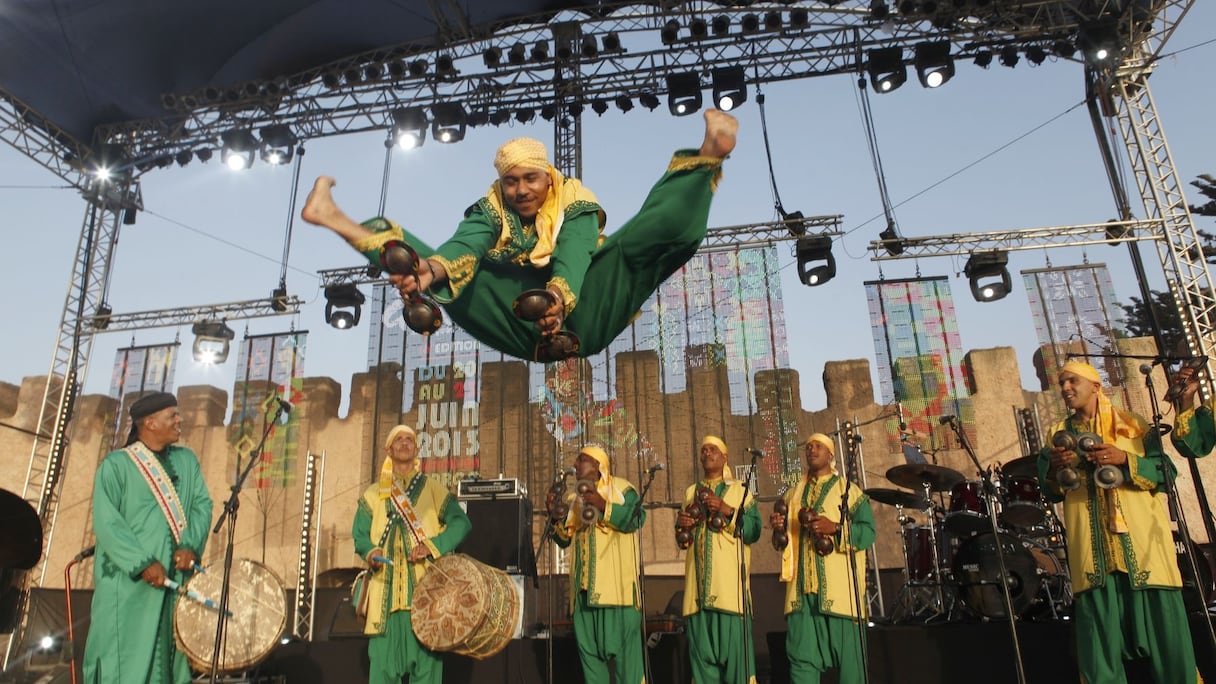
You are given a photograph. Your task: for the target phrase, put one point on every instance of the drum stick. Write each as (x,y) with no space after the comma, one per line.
(381,559)
(193,596)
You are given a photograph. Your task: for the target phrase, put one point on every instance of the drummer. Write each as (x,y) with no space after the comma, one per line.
(402,521)
(151,511)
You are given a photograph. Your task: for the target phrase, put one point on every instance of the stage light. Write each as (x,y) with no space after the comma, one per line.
(799,18)
(397,69)
(449,122)
(599,106)
(1099,42)
(649,101)
(983,58)
(750,23)
(1009,56)
(500,117)
(575,109)
(989,278)
(373,72)
(518,54)
(418,67)
(1064,49)
(772,21)
(670,32)
(548,112)
(720,26)
(211,340)
(624,103)
(1036,55)
(886,67)
(590,47)
(108,161)
(238,149)
(879,10)
(278,144)
(204,155)
(492,57)
(409,127)
(934,66)
(612,42)
(891,241)
(683,93)
(444,65)
(814,249)
(478,117)
(698,29)
(343,305)
(352,75)
(540,51)
(730,87)
(184,157)
(331,79)
(525,114)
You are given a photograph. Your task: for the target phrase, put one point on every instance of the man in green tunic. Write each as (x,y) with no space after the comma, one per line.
(824,592)
(151,511)
(1120,551)
(536,230)
(407,518)
(604,595)
(1194,434)
(717,603)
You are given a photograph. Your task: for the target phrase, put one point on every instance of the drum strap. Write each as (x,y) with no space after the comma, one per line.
(405,509)
(162,487)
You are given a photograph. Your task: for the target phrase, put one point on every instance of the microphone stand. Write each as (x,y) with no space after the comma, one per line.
(990,501)
(744,594)
(1172,492)
(846,527)
(229,514)
(633,518)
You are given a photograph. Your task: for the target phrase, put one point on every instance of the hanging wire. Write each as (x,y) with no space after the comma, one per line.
(768,154)
(388,165)
(867,118)
(291,215)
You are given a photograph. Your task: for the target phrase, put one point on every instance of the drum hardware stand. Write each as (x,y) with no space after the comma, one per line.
(1175,503)
(633,519)
(229,515)
(745,596)
(990,495)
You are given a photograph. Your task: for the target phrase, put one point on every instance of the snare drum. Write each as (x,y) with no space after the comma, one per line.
(258,604)
(1023,503)
(466,607)
(968,509)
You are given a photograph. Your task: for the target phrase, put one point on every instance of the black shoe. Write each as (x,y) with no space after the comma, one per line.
(558,347)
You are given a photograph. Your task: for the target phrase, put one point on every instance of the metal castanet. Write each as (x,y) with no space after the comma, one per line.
(590,514)
(781,536)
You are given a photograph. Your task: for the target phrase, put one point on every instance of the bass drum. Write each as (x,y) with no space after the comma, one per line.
(977,571)
(258,604)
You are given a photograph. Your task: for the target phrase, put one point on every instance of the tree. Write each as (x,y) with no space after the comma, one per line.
(1139,324)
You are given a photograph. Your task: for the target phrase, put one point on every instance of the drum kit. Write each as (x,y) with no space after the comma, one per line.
(952,558)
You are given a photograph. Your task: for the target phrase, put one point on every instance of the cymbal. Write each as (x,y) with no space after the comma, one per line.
(916,475)
(1026,466)
(897,497)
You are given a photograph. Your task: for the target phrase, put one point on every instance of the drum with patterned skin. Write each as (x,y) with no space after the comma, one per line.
(464,606)
(258,606)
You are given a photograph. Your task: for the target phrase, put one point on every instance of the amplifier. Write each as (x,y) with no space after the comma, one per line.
(508,488)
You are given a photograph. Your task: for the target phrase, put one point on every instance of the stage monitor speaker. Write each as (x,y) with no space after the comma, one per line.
(502,534)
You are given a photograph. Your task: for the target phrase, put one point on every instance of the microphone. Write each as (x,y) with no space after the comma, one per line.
(569,471)
(87,553)
(755,452)
(286,405)
(945,419)
(899,411)
(655,468)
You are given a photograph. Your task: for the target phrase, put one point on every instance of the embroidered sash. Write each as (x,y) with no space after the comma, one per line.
(162,488)
(405,509)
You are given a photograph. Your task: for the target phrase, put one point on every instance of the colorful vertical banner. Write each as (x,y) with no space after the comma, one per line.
(137,370)
(270,369)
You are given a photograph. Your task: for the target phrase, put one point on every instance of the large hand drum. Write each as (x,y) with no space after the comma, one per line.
(466,607)
(258,605)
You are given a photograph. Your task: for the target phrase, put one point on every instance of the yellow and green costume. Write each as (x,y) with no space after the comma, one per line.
(493,257)
(719,634)
(391,646)
(822,608)
(1121,555)
(604,591)
(1194,433)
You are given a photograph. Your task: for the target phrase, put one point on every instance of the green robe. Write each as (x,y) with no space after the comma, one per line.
(131,636)
(605,283)
(1194,433)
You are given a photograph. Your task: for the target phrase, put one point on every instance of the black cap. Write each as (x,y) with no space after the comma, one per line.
(151,403)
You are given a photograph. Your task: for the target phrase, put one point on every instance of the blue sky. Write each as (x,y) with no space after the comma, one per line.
(992,149)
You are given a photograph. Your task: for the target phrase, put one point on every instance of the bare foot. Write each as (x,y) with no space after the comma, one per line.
(320,208)
(721,130)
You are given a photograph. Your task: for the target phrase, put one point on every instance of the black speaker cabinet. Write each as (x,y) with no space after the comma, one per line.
(502,534)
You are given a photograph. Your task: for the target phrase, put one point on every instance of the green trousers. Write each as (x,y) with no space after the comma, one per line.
(397,653)
(815,642)
(609,632)
(716,643)
(630,265)
(1115,623)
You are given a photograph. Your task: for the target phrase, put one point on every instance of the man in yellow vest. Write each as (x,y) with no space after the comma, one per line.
(825,589)
(1120,551)
(717,602)
(600,529)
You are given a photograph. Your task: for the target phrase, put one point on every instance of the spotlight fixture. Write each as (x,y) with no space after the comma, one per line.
(670,32)
(750,23)
(698,28)
(184,157)
(1035,54)
(278,144)
(886,67)
(409,127)
(799,18)
(983,58)
(683,93)
(518,54)
(934,66)
(989,278)
(238,149)
(591,47)
(500,117)
(492,57)
(599,106)
(772,21)
(343,305)
(879,11)
(548,112)
(1009,56)
(478,117)
(540,51)
(811,249)
(649,101)
(444,65)
(204,154)
(575,109)
(891,241)
(1099,42)
(418,67)
(720,25)
(449,122)
(624,103)
(211,340)
(1064,49)
(109,160)
(730,87)
(525,114)
(612,42)
(397,69)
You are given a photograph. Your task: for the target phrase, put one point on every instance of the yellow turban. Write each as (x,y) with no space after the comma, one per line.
(386,468)
(396,432)
(1082,370)
(710,439)
(600,457)
(529,153)
(824,440)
